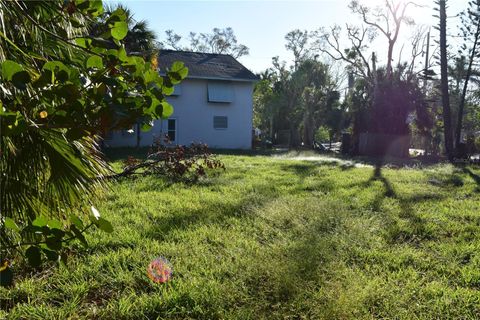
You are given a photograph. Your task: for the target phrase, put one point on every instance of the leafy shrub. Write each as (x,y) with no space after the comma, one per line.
(60,89)
(322,135)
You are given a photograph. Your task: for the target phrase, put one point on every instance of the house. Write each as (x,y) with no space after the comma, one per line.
(213,105)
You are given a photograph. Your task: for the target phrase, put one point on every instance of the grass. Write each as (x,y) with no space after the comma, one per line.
(275,238)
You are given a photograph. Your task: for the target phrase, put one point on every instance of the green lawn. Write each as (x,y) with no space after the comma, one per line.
(273,238)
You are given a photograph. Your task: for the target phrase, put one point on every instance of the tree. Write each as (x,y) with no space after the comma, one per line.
(295,99)
(263,103)
(471,36)
(392,18)
(374,112)
(60,88)
(297,41)
(447,120)
(140,39)
(221,41)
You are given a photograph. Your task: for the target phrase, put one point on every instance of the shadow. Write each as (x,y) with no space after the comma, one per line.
(345,167)
(303,170)
(214,212)
(393,162)
(252,152)
(472,175)
(415,231)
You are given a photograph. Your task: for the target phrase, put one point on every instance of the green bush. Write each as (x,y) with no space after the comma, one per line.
(61,89)
(322,135)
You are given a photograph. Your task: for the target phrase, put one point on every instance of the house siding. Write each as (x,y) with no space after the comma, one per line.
(194,116)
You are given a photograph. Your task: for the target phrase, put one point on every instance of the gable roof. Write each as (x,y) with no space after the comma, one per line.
(206,65)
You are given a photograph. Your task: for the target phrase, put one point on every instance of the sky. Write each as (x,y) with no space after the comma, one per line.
(262,25)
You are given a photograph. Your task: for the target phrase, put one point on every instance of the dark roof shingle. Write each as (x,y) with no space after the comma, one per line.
(206,65)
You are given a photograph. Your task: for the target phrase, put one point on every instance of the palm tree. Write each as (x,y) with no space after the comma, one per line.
(41,171)
(140,39)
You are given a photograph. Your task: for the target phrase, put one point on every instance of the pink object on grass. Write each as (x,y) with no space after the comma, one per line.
(159,270)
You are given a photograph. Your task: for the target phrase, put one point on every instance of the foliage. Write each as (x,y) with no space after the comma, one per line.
(221,41)
(394,101)
(322,134)
(299,98)
(186,163)
(275,238)
(297,41)
(470,32)
(139,40)
(60,89)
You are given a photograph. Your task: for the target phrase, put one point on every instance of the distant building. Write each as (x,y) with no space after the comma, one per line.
(213,105)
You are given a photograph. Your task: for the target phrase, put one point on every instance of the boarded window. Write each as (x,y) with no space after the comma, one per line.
(220,91)
(220,122)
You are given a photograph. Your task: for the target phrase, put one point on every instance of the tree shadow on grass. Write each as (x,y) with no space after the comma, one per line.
(415,231)
(302,170)
(212,212)
(474,176)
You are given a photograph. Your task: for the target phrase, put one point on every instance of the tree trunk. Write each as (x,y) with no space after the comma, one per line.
(308,128)
(447,117)
(465,86)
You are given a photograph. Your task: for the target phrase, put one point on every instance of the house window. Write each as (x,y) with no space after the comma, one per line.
(220,122)
(172,130)
(220,91)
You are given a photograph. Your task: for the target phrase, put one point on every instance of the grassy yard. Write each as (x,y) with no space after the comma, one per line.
(273,238)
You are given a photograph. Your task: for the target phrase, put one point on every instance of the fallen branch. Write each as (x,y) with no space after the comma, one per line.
(175,162)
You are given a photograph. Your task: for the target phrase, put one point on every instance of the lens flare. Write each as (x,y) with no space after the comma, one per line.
(159,270)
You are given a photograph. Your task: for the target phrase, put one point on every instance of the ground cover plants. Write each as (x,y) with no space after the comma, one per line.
(274,238)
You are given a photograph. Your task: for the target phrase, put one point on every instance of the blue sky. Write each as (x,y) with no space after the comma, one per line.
(260,25)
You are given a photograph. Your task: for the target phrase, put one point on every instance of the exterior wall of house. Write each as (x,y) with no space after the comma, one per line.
(194,116)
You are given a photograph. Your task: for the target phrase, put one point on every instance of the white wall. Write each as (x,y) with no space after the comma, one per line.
(194,115)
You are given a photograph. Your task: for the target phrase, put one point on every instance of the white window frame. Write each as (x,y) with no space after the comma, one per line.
(220,128)
(176,130)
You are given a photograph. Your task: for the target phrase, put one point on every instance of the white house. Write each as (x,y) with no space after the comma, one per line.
(213,105)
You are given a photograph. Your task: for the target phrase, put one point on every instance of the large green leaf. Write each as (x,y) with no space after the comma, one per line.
(76,221)
(150,76)
(177,72)
(95,62)
(10,224)
(83,42)
(51,255)
(58,70)
(104,225)
(54,224)
(54,243)
(20,79)
(34,256)
(9,68)
(14,72)
(96,8)
(167,110)
(119,30)
(40,221)
(180,68)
